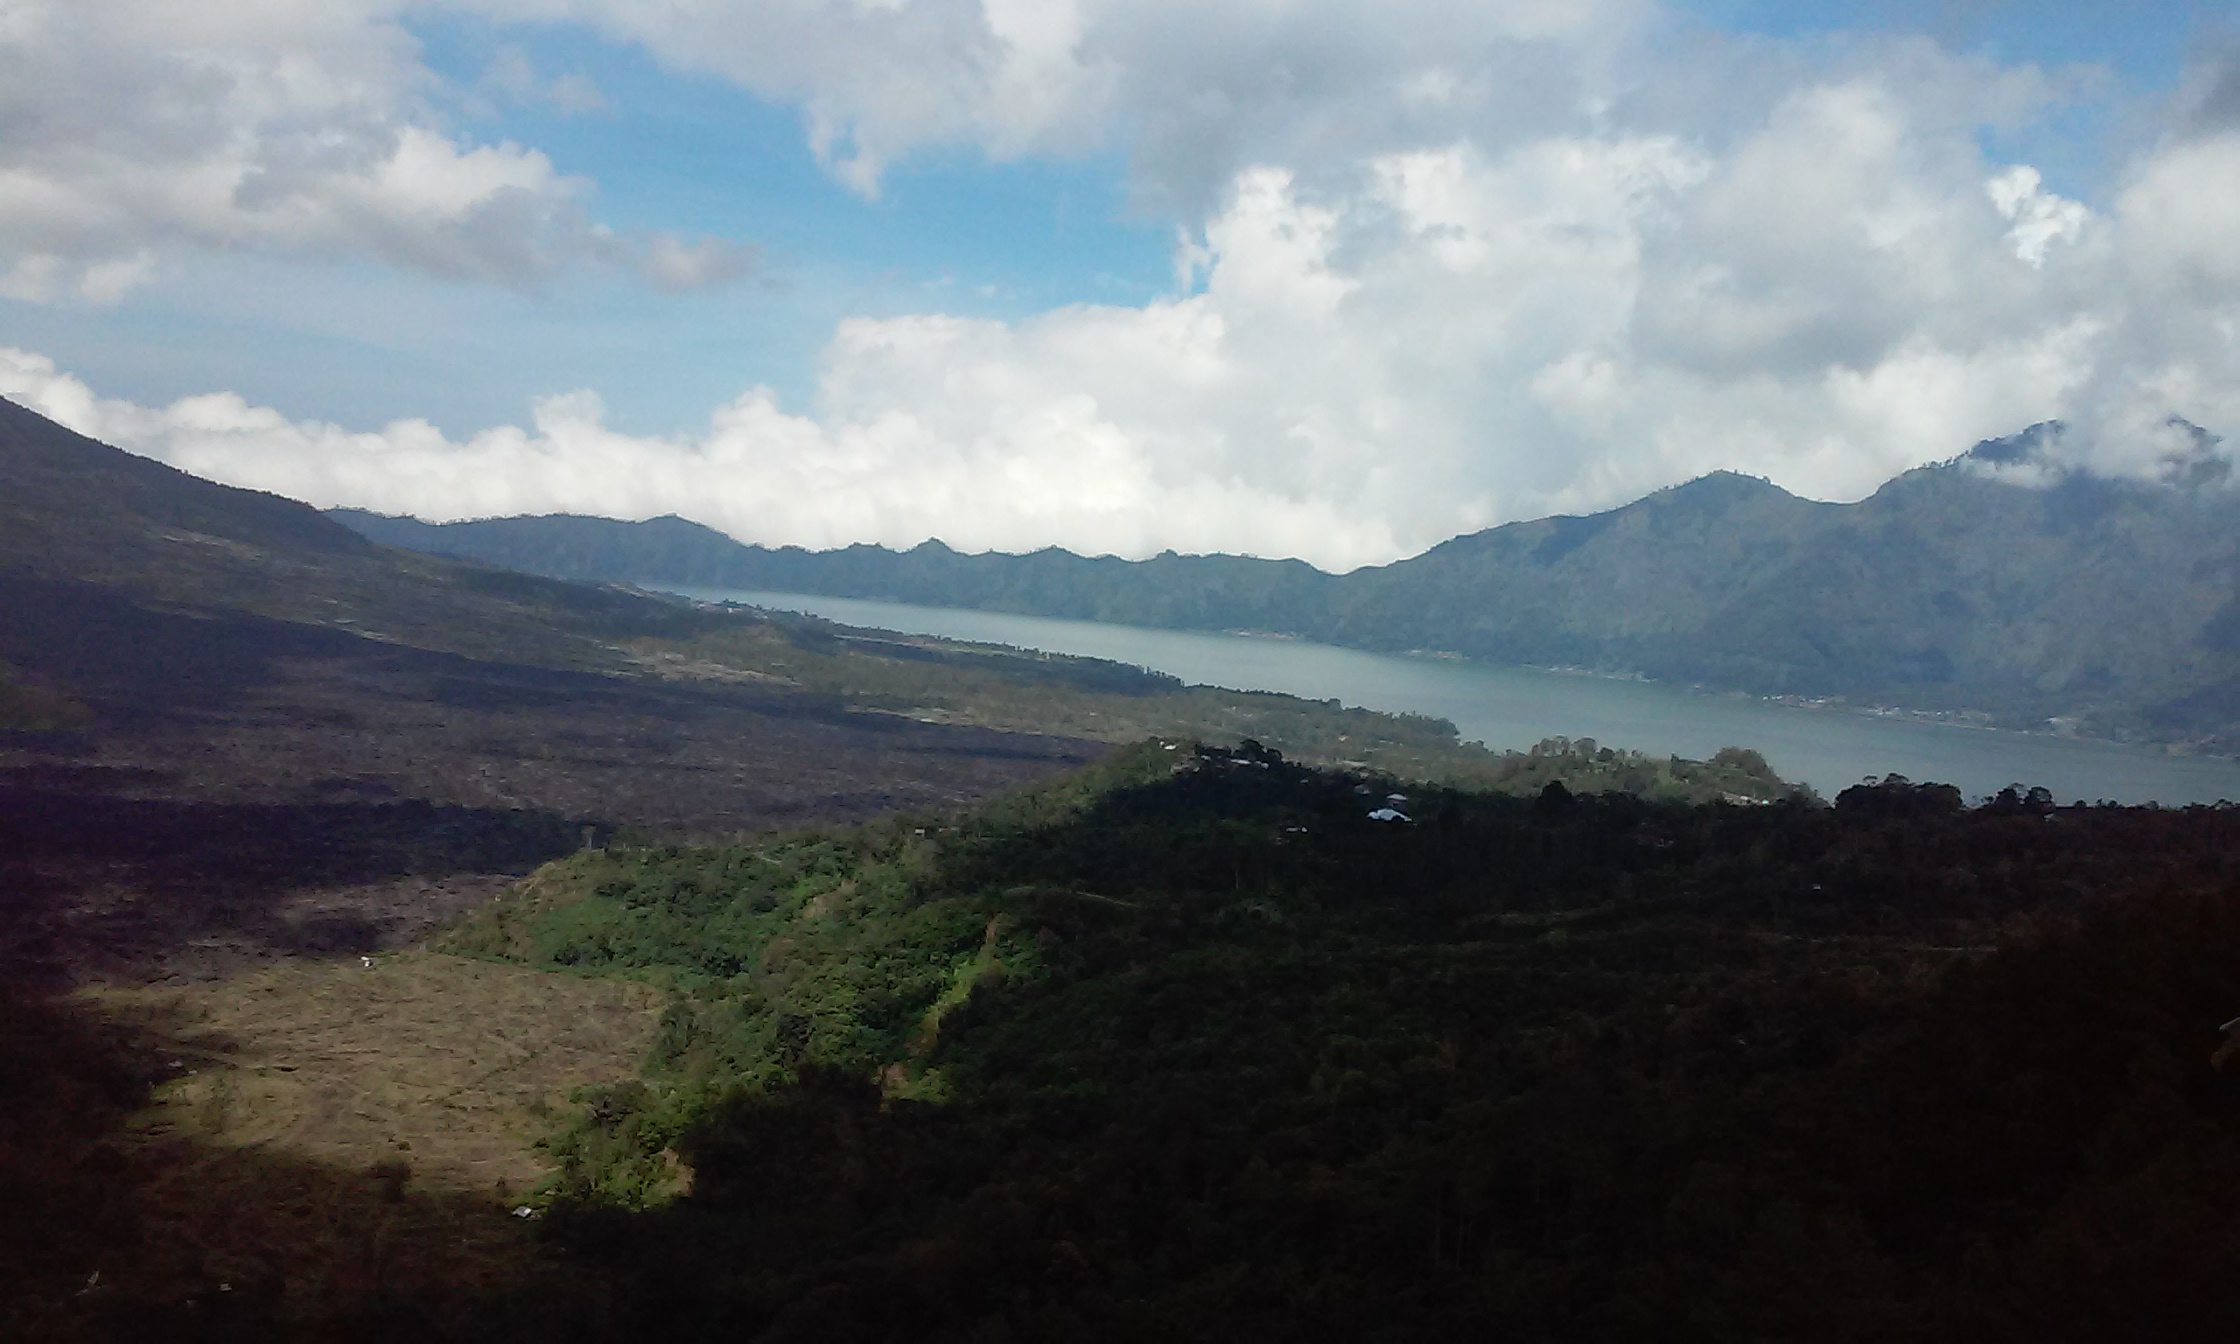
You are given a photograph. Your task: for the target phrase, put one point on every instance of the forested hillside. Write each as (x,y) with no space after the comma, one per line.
(2114,604)
(1193,1046)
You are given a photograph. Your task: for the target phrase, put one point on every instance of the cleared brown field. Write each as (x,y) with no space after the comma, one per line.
(444,1065)
(294,1149)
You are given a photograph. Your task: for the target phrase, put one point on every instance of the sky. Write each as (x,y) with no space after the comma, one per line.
(1314,278)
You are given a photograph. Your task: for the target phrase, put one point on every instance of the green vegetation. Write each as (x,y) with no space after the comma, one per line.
(1190,1045)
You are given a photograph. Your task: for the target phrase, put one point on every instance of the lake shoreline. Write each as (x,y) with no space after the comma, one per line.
(1827,745)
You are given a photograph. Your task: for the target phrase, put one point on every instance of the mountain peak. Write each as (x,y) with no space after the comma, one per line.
(1728,485)
(71,494)
(2025,448)
(1714,492)
(2196,460)
(2180,454)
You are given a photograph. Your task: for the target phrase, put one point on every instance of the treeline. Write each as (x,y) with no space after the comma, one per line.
(1191,1045)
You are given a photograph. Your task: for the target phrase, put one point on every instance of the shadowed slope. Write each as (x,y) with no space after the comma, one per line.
(74,509)
(232,729)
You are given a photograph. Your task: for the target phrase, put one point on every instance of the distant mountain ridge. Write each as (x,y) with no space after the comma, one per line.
(1213,592)
(2110,603)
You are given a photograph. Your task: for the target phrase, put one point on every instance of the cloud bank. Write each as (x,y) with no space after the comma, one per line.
(1439,267)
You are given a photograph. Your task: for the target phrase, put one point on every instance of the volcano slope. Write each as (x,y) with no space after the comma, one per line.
(311,742)
(242,729)
(248,760)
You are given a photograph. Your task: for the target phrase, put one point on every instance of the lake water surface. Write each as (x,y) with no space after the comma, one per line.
(1508,707)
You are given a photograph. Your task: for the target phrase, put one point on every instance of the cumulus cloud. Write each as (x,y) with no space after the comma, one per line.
(755,471)
(1192,90)
(133,129)
(1454,338)
(2039,217)
(1440,266)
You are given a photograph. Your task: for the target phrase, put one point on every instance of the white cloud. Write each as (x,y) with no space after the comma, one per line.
(1455,339)
(1440,266)
(132,130)
(1195,91)
(2180,210)
(756,471)
(2040,218)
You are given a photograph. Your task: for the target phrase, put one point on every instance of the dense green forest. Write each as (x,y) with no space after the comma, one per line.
(1192,1045)
(2113,603)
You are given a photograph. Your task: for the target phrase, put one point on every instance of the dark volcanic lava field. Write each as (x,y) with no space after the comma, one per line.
(250,786)
(247,764)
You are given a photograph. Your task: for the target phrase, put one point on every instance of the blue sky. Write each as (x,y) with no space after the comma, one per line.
(951,230)
(976,273)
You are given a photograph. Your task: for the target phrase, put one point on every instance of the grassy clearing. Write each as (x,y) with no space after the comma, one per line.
(432,1065)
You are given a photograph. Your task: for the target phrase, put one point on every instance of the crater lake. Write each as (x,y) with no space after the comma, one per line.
(1828,747)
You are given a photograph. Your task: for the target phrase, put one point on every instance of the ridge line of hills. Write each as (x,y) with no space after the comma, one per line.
(2108,606)
(261,639)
